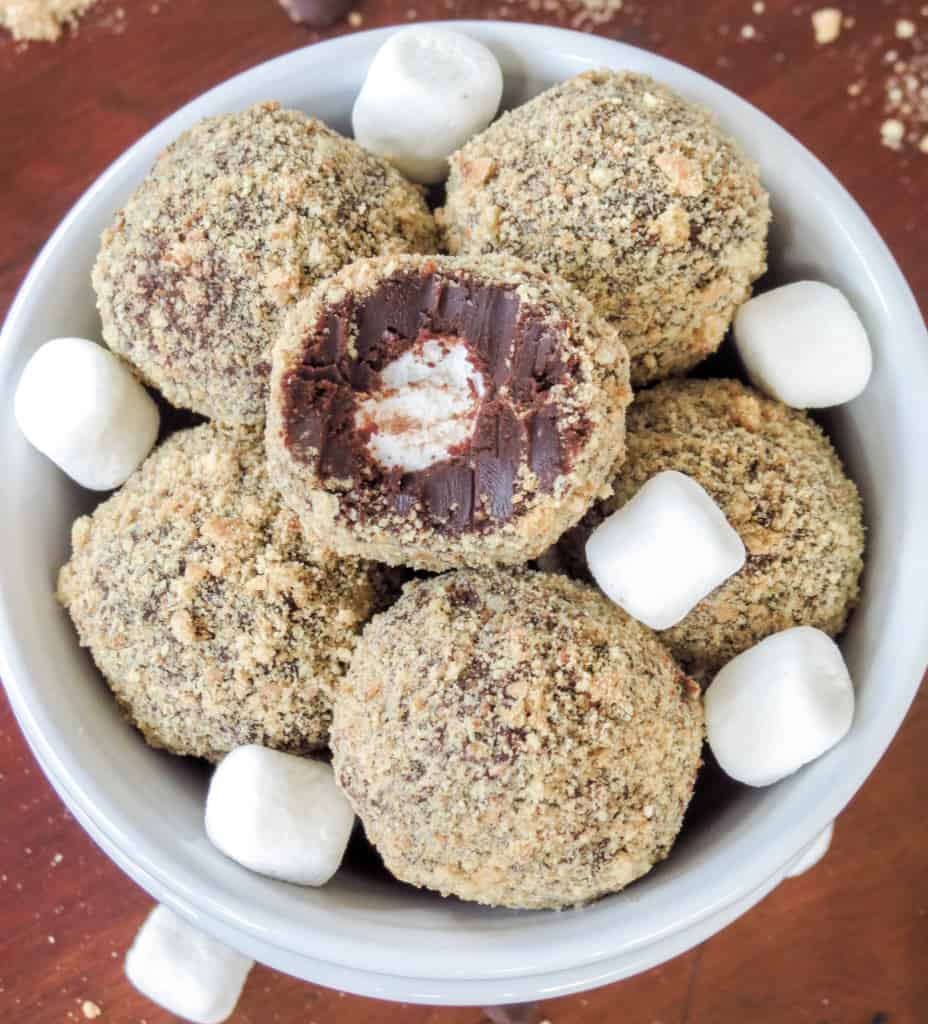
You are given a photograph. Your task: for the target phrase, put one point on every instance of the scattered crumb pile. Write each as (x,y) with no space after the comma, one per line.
(906,104)
(590,12)
(578,14)
(905,86)
(41,20)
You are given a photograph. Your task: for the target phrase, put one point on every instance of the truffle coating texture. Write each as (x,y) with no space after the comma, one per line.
(775,475)
(212,620)
(513,738)
(238,219)
(628,191)
(591,400)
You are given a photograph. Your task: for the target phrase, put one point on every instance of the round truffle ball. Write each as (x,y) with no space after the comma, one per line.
(631,193)
(775,475)
(439,413)
(212,620)
(515,739)
(238,219)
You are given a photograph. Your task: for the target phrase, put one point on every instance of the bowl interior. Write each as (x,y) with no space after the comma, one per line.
(149,806)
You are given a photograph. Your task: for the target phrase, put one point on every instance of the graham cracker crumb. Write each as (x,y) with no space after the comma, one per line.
(90,1009)
(41,20)
(826,24)
(892,133)
(355,19)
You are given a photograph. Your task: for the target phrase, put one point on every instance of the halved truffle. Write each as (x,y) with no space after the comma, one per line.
(438,412)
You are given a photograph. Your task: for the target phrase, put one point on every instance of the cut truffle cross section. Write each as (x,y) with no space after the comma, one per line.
(436,412)
(432,392)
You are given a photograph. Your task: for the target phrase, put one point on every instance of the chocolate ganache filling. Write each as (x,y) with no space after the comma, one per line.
(461,345)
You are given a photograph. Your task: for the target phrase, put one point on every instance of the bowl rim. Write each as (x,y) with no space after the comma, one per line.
(242,924)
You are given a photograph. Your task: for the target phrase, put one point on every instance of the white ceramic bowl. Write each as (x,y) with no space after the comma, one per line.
(362,933)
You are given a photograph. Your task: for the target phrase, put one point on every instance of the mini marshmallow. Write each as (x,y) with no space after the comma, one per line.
(804,344)
(427,91)
(666,549)
(779,706)
(186,972)
(80,405)
(813,853)
(279,815)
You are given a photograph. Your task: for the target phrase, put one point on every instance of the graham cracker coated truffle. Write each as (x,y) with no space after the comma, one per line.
(236,221)
(628,191)
(439,412)
(513,738)
(780,484)
(212,620)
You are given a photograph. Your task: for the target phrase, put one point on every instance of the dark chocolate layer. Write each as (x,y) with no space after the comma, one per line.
(519,355)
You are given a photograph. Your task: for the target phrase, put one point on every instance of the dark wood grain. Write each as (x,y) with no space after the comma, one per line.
(847,942)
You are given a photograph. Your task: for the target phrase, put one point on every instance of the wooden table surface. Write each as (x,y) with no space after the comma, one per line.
(847,942)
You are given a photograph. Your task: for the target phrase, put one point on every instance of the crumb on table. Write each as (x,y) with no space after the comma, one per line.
(41,20)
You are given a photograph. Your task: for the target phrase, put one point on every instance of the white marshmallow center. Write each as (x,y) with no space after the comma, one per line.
(426,405)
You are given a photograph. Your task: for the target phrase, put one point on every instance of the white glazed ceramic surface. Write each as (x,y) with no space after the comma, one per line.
(372,936)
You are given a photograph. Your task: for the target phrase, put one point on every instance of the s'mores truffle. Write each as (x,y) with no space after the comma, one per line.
(438,412)
(212,620)
(513,738)
(235,222)
(780,484)
(630,192)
